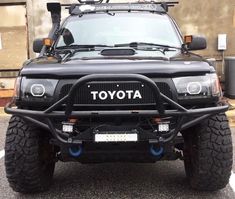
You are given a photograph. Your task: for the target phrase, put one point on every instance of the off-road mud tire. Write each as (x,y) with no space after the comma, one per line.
(208,154)
(29,158)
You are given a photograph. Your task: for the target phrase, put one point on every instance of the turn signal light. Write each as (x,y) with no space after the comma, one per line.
(16,93)
(216,88)
(188,39)
(47,42)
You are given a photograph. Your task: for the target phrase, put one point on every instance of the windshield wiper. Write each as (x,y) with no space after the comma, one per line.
(80,47)
(70,50)
(149,46)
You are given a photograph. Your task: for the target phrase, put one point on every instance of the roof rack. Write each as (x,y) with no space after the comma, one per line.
(92,6)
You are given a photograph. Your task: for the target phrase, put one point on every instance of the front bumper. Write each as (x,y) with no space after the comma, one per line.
(51,113)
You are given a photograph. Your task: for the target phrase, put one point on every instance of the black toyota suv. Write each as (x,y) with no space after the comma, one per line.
(117,82)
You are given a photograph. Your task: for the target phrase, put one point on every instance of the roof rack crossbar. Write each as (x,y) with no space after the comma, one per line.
(153,6)
(144,2)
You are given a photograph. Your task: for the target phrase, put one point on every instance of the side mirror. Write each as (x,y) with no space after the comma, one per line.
(195,42)
(38,45)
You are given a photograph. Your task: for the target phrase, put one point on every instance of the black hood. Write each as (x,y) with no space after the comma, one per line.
(45,67)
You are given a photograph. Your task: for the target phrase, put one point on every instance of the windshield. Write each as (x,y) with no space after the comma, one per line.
(105,29)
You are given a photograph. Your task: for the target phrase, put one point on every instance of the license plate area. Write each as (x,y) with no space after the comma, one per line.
(116,137)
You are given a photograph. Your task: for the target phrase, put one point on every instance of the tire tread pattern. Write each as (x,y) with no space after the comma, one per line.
(22,162)
(210,162)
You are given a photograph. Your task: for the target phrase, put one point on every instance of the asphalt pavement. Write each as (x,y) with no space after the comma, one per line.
(73,180)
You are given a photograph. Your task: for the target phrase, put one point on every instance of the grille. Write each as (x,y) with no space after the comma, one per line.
(84,96)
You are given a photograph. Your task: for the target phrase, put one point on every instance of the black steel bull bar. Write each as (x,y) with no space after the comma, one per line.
(52,112)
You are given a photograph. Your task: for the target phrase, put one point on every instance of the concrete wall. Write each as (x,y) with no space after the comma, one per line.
(15,16)
(208,18)
(14,47)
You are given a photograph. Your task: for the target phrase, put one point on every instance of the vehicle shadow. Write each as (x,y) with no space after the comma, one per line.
(116,180)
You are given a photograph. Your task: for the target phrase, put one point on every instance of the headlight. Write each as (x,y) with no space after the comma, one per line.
(197,86)
(37,89)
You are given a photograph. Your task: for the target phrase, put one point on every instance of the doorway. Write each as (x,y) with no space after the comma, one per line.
(13,47)
(13,36)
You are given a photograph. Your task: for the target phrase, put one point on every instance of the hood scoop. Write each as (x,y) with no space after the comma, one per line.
(118,52)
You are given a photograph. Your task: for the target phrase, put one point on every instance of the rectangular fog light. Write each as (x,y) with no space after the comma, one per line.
(67,128)
(164,127)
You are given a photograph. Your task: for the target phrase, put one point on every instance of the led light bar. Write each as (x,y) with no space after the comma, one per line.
(116,137)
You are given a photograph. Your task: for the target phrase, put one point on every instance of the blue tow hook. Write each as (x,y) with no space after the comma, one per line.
(75,151)
(156,151)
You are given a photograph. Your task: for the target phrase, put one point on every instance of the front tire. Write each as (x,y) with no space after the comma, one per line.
(208,154)
(29,158)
